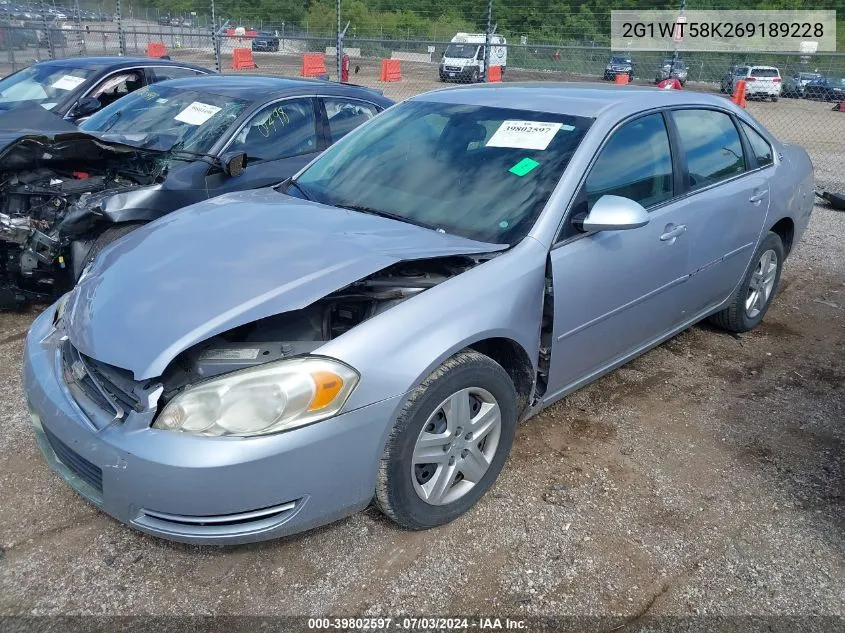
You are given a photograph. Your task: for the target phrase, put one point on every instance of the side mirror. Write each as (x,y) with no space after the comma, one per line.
(86,107)
(233,163)
(615,213)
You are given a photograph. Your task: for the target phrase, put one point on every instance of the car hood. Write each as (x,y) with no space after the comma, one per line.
(227,262)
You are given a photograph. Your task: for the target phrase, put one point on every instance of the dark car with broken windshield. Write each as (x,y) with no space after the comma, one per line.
(68,192)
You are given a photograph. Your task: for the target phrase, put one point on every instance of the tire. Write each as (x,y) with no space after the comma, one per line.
(473,78)
(402,479)
(111,234)
(737,317)
(774,99)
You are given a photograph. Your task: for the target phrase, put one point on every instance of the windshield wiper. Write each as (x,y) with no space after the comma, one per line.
(387,214)
(293,183)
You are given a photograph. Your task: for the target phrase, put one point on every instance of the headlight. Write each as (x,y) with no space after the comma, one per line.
(260,400)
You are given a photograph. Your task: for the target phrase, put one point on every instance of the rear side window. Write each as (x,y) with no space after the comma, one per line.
(635,163)
(344,115)
(163,73)
(711,144)
(760,146)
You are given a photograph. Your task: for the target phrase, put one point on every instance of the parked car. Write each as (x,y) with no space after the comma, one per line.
(158,149)
(164,20)
(727,81)
(266,41)
(826,89)
(15,37)
(760,81)
(619,65)
(676,68)
(78,87)
(375,327)
(795,85)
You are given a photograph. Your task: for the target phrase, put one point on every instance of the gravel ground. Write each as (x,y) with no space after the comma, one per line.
(704,478)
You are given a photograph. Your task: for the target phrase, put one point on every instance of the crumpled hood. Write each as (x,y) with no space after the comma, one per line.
(226,262)
(31,137)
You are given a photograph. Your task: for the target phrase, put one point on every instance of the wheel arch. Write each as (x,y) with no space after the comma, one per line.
(785,229)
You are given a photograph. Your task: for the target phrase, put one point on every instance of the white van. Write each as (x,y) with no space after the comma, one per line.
(463,59)
(760,81)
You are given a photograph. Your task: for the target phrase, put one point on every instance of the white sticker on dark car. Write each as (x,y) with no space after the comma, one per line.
(197,113)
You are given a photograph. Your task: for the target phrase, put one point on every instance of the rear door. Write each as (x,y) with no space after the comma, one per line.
(727,194)
(616,292)
(279,139)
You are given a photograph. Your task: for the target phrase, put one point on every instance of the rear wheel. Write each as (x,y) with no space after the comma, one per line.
(449,442)
(752,299)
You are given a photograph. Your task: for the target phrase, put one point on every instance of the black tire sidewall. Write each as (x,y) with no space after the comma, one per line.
(770,242)
(406,503)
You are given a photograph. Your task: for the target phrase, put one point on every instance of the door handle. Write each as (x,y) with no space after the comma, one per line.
(672,233)
(757,197)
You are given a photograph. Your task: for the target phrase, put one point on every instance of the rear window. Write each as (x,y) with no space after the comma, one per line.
(765,72)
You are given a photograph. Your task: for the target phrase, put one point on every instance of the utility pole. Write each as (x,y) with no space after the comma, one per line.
(488,38)
(121,40)
(678,25)
(339,43)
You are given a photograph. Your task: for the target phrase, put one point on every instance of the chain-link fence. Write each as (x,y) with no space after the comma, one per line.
(427,45)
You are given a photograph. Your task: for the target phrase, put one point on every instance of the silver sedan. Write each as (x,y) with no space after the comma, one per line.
(374,328)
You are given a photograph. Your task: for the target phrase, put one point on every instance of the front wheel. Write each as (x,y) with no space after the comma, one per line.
(449,442)
(473,78)
(749,304)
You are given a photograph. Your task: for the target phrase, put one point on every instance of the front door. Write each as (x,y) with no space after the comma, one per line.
(615,292)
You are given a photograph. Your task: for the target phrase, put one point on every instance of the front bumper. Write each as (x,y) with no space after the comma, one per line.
(203,490)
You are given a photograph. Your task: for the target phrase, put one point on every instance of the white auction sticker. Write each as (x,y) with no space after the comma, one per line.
(197,113)
(524,135)
(68,82)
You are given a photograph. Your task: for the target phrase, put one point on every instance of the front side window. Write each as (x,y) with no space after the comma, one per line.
(344,115)
(760,146)
(279,130)
(118,85)
(635,163)
(711,144)
(480,172)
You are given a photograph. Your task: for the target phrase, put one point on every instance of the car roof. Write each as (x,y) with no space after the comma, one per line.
(258,87)
(578,99)
(114,63)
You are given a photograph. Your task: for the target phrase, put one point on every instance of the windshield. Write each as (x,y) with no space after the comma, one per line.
(45,84)
(177,119)
(480,172)
(465,51)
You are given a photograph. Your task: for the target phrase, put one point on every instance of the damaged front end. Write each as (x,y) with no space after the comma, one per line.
(45,179)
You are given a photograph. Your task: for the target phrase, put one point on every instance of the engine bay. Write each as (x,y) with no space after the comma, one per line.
(39,187)
(302,331)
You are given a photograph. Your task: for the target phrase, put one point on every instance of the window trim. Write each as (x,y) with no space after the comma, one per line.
(662,111)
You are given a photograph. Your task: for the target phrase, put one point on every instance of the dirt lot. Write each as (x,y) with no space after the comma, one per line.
(706,477)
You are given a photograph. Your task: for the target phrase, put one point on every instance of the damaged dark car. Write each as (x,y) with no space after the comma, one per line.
(67,192)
